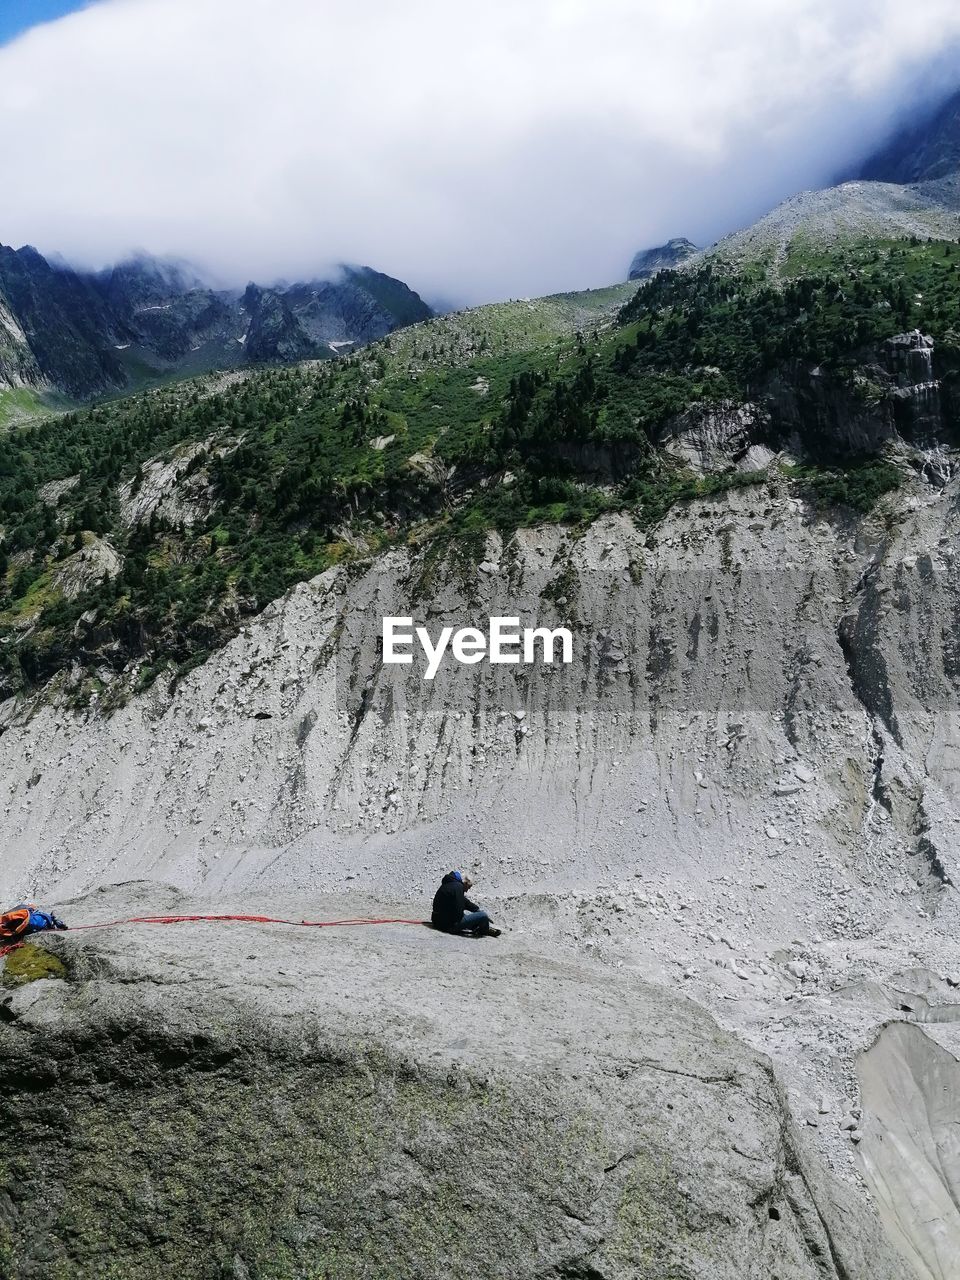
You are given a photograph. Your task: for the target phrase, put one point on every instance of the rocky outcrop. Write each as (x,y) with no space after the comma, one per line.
(910,1087)
(234,1100)
(709,437)
(95,562)
(173,488)
(648,262)
(18,366)
(906,391)
(926,395)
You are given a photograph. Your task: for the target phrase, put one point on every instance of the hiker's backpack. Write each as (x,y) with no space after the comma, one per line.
(14,924)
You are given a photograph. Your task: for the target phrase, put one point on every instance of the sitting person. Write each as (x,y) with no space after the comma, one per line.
(25,919)
(453,912)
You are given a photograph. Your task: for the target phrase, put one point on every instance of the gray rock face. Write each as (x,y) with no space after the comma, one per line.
(707,437)
(803,633)
(904,392)
(910,1087)
(18,365)
(96,561)
(238,1100)
(59,331)
(649,261)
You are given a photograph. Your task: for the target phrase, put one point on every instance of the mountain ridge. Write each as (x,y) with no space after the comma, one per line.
(87,334)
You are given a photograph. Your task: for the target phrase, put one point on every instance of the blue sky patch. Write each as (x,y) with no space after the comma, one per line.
(17,16)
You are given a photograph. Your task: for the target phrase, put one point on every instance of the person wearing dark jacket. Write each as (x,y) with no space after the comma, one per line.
(453,912)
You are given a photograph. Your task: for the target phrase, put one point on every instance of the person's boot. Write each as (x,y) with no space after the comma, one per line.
(493,931)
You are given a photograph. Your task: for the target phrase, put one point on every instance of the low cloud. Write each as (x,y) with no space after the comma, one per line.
(477,151)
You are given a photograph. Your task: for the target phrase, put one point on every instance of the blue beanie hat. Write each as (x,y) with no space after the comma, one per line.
(458,875)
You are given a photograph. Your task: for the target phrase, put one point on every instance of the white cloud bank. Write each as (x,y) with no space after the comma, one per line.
(477,150)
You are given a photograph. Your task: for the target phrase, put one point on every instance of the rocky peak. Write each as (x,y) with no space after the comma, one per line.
(143,280)
(648,262)
(66,330)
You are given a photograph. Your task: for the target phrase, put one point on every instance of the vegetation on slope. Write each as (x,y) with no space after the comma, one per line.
(24,404)
(832,307)
(216,497)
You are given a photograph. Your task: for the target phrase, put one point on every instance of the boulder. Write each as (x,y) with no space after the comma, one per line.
(235,1099)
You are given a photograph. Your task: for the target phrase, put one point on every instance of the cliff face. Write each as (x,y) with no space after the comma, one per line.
(64,328)
(18,366)
(905,390)
(902,395)
(748,608)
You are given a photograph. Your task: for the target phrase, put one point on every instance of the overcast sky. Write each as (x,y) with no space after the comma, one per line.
(477,150)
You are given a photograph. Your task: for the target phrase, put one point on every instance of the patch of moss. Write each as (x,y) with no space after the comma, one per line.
(284,1168)
(28,964)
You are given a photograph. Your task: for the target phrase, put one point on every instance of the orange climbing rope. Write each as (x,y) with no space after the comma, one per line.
(244,919)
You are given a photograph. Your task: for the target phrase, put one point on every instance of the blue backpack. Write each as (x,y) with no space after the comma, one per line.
(27,918)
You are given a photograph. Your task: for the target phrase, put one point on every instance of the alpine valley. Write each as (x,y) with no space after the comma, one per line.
(720,1036)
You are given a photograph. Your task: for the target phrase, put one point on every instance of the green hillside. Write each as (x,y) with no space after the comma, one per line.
(19,405)
(217,495)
